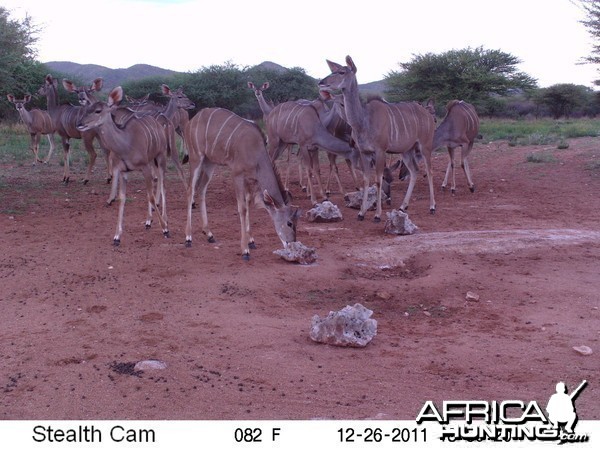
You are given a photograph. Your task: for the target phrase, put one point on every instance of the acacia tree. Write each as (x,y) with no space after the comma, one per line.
(562,100)
(475,75)
(19,71)
(592,23)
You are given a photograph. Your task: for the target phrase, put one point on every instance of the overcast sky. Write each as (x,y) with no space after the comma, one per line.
(186,35)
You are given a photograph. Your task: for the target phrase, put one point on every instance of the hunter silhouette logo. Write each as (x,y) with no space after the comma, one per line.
(561,407)
(509,420)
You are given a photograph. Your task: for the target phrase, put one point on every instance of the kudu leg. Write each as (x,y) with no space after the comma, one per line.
(365,162)
(194,175)
(465,165)
(206,172)
(35,147)
(243,212)
(122,198)
(89,147)
(66,146)
(51,142)
(152,206)
(450,171)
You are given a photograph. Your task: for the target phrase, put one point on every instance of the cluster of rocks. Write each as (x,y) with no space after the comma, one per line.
(398,223)
(354,199)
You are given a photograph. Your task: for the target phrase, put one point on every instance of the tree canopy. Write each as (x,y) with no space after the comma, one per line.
(474,75)
(19,71)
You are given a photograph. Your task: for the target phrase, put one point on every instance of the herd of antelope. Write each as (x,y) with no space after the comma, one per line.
(140,135)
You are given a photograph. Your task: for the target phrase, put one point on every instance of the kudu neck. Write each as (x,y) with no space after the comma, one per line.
(355,113)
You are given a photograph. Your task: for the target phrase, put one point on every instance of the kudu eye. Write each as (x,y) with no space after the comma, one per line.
(290,224)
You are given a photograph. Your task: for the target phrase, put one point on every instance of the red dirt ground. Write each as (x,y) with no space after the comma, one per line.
(76,310)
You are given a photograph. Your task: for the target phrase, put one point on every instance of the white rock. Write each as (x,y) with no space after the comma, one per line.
(349,327)
(583,350)
(150,364)
(298,252)
(398,223)
(324,212)
(472,297)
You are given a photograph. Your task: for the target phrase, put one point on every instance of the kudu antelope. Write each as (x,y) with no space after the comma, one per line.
(140,144)
(38,123)
(299,123)
(379,127)
(216,136)
(459,128)
(65,119)
(331,121)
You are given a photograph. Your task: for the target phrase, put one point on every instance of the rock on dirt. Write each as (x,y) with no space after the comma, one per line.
(354,199)
(398,223)
(150,364)
(324,212)
(350,327)
(298,252)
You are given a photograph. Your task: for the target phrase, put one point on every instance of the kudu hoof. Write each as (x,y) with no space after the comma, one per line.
(246,256)
(361,217)
(388,201)
(252,245)
(453,191)
(376,219)
(66,180)
(188,244)
(166,234)
(85,181)
(116,242)
(108,180)
(147,226)
(212,239)
(185,159)
(432,211)
(194,205)
(472,189)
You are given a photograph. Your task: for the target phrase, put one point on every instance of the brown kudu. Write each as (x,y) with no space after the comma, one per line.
(299,123)
(379,127)
(65,119)
(142,143)
(330,120)
(216,136)
(459,128)
(38,123)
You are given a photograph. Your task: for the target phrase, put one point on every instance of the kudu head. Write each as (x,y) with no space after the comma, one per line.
(284,216)
(258,91)
(85,95)
(430,106)
(341,77)
(100,112)
(181,100)
(19,104)
(49,85)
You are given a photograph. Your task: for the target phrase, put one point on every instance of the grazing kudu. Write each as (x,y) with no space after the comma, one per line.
(38,123)
(64,122)
(216,136)
(459,128)
(142,144)
(379,127)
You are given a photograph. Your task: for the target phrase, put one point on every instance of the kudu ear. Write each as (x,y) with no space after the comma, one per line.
(269,202)
(115,96)
(68,85)
(334,67)
(97,84)
(265,86)
(11,98)
(27,98)
(165,89)
(351,64)
(250,84)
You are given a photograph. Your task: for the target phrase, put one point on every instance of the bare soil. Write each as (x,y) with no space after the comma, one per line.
(77,312)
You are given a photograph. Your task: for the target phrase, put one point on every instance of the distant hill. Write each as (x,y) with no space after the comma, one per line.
(85,73)
(112,77)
